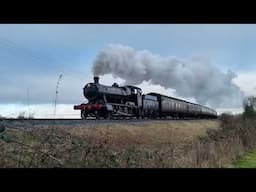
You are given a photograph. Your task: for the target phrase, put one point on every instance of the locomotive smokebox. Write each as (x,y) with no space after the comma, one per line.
(96,79)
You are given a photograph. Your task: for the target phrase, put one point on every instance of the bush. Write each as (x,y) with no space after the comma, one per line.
(237,136)
(249,112)
(31,116)
(21,115)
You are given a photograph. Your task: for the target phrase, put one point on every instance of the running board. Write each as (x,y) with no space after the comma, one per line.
(123,105)
(122,113)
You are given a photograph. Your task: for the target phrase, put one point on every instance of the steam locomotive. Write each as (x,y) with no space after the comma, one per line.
(116,101)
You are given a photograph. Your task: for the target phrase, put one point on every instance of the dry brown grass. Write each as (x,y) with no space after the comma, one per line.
(204,143)
(147,134)
(149,144)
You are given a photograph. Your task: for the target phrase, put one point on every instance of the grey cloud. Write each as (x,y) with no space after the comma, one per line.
(190,78)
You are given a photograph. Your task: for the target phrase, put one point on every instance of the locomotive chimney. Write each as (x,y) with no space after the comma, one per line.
(96,79)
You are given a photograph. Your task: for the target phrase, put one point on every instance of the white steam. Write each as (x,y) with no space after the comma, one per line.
(190,78)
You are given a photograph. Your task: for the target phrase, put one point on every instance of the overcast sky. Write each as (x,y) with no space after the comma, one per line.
(32,56)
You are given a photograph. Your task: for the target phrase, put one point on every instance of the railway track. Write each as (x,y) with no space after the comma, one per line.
(22,122)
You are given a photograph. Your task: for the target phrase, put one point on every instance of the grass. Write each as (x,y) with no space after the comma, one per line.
(147,135)
(247,161)
(149,144)
(153,144)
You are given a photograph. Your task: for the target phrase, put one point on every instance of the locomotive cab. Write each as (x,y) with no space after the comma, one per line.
(136,95)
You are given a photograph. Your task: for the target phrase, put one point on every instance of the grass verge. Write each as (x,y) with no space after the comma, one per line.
(247,161)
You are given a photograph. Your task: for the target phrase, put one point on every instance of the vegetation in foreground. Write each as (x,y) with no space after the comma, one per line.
(203,143)
(109,145)
(247,161)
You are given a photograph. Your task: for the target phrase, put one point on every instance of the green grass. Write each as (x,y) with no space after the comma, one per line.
(247,161)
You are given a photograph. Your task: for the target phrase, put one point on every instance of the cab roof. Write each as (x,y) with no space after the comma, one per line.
(130,86)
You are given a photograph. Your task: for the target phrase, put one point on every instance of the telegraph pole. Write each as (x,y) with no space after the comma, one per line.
(28,102)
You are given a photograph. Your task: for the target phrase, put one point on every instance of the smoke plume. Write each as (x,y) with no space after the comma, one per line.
(190,78)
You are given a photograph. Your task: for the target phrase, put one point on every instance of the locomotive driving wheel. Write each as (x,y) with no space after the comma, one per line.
(138,113)
(142,114)
(97,115)
(84,114)
(108,116)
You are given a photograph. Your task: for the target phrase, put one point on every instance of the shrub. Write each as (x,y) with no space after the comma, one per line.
(249,111)
(21,115)
(31,116)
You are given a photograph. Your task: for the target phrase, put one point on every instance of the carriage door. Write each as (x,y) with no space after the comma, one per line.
(139,98)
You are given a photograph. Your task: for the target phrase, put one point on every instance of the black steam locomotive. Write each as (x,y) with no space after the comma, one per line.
(128,101)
